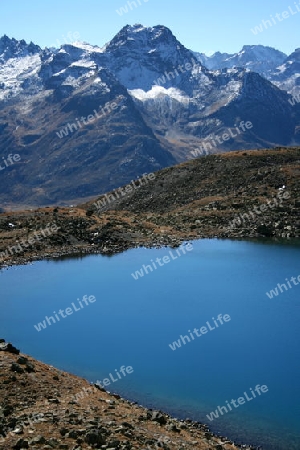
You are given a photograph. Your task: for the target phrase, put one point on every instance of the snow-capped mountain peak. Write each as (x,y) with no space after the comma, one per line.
(151,38)
(140,55)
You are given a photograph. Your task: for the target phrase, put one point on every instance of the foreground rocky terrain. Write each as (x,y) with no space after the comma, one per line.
(204,198)
(44,408)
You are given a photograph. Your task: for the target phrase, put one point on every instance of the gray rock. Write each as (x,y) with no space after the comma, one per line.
(21,443)
(22,360)
(156,416)
(94,437)
(16,368)
(38,440)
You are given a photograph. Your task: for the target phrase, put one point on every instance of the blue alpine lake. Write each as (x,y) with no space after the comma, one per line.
(134,322)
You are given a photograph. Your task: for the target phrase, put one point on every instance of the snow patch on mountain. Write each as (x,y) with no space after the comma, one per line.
(88,47)
(159,92)
(15,72)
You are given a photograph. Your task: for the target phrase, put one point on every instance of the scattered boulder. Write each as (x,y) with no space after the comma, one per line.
(16,368)
(21,443)
(29,367)
(157,416)
(22,360)
(38,440)
(94,437)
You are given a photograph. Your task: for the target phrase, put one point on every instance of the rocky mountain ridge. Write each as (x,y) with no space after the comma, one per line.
(281,69)
(258,58)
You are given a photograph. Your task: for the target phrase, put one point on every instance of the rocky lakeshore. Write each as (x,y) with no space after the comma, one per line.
(42,407)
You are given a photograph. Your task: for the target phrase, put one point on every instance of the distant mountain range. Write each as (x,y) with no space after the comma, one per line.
(277,67)
(85,120)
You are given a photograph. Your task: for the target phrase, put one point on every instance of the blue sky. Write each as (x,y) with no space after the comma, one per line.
(201,25)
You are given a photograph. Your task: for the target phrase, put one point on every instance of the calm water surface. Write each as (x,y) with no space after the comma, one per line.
(133,322)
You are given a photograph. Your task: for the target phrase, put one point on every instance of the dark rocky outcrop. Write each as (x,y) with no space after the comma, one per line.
(8,347)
